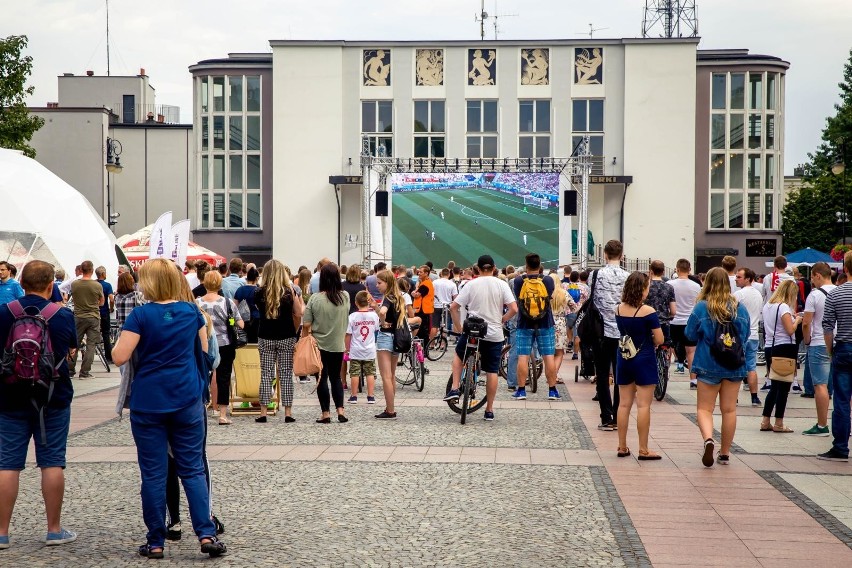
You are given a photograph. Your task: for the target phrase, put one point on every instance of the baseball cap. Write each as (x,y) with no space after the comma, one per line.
(485,261)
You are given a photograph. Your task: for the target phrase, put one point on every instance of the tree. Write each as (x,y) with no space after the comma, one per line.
(16,125)
(810,214)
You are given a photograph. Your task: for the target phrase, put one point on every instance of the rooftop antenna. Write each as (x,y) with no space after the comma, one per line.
(670,19)
(497,16)
(481,18)
(107,18)
(592,30)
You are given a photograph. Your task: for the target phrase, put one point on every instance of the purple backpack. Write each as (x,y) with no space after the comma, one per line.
(28,355)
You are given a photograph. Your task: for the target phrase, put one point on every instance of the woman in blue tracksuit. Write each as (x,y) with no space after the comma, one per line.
(715,304)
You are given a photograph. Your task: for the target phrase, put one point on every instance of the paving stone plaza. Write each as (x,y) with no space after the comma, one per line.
(539,486)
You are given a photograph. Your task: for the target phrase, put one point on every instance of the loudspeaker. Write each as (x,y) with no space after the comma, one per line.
(569,203)
(381,204)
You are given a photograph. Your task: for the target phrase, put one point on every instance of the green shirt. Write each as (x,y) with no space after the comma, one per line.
(328,322)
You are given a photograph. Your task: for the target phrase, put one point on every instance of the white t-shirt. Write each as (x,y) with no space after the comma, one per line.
(815,304)
(362,327)
(774,330)
(485,297)
(685,293)
(733,281)
(193,280)
(445,291)
(752,301)
(406,297)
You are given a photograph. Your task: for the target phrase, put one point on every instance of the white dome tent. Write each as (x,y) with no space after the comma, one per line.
(44,218)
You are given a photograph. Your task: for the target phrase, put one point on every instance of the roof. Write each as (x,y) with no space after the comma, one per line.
(478,43)
(738,57)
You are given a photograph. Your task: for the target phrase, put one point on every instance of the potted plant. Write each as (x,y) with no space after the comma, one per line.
(839,251)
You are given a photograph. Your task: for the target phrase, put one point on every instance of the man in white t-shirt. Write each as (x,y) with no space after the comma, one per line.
(445,292)
(685,293)
(729,263)
(487,297)
(191,275)
(819,361)
(752,301)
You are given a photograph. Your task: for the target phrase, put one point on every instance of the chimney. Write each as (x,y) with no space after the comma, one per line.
(142,72)
(90,73)
(52,105)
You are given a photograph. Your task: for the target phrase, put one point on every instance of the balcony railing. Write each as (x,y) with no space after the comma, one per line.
(146,113)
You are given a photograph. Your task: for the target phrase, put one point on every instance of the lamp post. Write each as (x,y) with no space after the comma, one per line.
(839,169)
(113,166)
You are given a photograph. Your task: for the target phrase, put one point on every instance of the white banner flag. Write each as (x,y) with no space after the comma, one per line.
(159,244)
(180,242)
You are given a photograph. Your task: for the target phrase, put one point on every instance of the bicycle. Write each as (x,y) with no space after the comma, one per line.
(663,353)
(99,353)
(437,346)
(535,364)
(469,382)
(416,367)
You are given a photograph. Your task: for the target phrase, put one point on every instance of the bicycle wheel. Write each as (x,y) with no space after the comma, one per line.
(419,375)
(535,368)
(436,347)
(662,374)
(99,351)
(409,369)
(474,403)
(468,385)
(503,369)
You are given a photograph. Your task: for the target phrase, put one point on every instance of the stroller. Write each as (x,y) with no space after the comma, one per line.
(586,368)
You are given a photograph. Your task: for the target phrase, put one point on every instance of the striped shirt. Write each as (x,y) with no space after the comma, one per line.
(838,310)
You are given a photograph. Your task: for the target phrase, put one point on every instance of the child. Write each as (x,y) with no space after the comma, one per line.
(361,346)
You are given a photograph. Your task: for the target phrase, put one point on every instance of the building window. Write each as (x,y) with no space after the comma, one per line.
(754,171)
(719,91)
(738,91)
(230,180)
(429,129)
(768,217)
(717,210)
(755,124)
(755,81)
(717,171)
(717,132)
(753,215)
(771,79)
(377,125)
(736,137)
(482,129)
(534,127)
(735,210)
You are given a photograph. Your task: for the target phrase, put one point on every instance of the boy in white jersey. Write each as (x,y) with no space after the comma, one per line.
(361,346)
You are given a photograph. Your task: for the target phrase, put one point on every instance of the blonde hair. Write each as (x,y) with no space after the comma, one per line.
(721,304)
(160,280)
(393,294)
(559,300)
(274,283)
(785,293)
(212,281)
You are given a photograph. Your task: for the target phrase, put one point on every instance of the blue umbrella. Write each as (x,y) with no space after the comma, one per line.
(808,256)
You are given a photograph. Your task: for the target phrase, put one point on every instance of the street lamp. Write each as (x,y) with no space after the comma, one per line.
(113,166)
(838,169)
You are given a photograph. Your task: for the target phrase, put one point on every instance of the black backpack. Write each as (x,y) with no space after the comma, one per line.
(727,347)
(590,324)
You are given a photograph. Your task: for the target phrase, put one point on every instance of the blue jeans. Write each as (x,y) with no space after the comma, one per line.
(512,371)
(184,431)
(841,375)
(808,380)
(18,427)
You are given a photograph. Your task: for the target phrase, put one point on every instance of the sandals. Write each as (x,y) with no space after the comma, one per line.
(152,552)
(224,422)
(213,546)
(623,452)
(782,429)
(648,455)
(765,427)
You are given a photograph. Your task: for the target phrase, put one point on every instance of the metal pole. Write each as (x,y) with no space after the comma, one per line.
(366,169)
(583,229)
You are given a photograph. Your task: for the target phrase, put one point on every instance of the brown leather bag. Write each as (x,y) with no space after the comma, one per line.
(783,365)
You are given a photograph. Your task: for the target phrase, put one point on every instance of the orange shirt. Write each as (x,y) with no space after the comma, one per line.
(426,302)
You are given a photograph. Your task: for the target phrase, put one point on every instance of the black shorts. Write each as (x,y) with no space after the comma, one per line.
(679,337)
(425,326)
(437,317)
(489,353)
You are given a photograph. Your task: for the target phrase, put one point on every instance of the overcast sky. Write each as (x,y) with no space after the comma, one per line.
(167,36)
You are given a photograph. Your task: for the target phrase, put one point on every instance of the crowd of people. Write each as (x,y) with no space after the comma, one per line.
(180,329)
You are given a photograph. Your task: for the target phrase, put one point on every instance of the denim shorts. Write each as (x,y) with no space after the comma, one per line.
(571,319)
(489,353)
(751,355)
(717,380)
(19,426)
(384,341)
(820,364)
(545,340)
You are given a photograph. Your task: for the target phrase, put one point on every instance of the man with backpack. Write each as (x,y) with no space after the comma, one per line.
(535,325)
(35,396)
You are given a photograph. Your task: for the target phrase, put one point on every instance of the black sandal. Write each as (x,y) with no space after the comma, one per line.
(214,547)
(152,552)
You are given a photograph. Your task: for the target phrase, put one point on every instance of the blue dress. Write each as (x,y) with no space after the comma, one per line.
(641,369)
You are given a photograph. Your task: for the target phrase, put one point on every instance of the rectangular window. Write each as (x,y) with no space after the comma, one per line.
(755,90)
(737,90)
(218,94)
(717,171)
(736,135)
(219,210)
(252,133)
(235,210)
(755,124)
(768,217)
(596,115)
(205,210)
(720,90)
(770,172)
(717,210)
(534,116)
(235,93)
(489,116)
(218,172)
(526,114)
(235,133)
(717,132)
(587,115)
(205,140)
(770,132)
(735,210)
(429,118)
(481,118)
(236,165)
(735,175)
(205,93)
(771,79)
(754,171)
(377,117)
(253,93)
(368,116)
(753,215)
(205,173)
(218,132)
(252,172)
(252,210)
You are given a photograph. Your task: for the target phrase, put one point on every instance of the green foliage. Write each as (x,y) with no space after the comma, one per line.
(16,125)
(810,214)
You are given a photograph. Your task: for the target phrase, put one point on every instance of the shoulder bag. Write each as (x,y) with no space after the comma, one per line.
(306,357)
(590,325)
(626,347)
(783,365)
(236,336)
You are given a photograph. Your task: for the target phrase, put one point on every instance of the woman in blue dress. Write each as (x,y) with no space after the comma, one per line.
(636,370)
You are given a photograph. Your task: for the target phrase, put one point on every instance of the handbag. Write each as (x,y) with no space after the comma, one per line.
(236,336)
(402,337)
(297,320)
(590,324)
(626,347)
(306,357)
(783,365)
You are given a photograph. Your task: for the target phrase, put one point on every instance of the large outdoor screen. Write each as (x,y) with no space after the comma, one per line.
(447,216)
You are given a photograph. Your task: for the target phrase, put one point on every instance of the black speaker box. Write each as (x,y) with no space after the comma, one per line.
(569,202)
(382,204)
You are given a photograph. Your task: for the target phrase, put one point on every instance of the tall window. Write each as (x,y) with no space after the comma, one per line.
(534,127)
(230,180)
(482,129)
(587,118)
(743,115)
(429,129)
(377,125)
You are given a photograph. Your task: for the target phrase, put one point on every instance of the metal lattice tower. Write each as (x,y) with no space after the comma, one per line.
(669,18)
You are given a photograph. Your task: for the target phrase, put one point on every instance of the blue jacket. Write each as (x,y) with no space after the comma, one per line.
(701,328)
